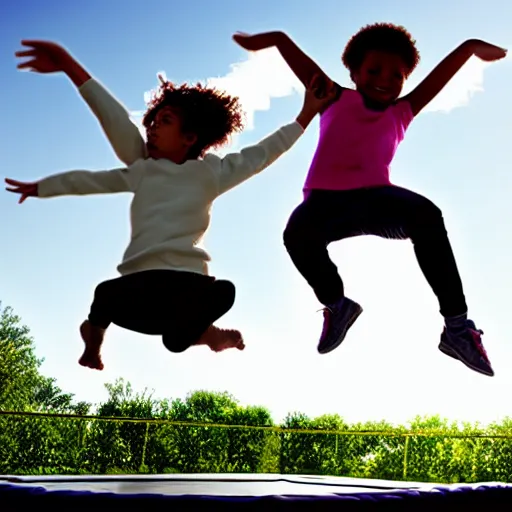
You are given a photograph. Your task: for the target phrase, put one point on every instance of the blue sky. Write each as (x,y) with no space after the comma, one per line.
(56,251)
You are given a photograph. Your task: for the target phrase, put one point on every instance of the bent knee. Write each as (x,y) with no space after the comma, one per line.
(429,213)
(290,235)
(428,222)
(299,231)
(226,290)
(104,290)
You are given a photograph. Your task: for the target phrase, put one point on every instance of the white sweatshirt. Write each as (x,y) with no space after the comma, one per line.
(170,210)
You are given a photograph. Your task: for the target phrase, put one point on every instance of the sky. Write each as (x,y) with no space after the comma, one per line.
(456,152)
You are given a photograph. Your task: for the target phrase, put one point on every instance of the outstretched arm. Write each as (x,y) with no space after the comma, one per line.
(123,135)
(302,65)
(432,85)
(79,183)
(236,168)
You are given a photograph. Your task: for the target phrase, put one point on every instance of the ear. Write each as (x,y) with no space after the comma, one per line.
(190,139)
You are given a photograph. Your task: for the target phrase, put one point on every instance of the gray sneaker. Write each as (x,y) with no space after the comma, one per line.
(337,321)
(467,347)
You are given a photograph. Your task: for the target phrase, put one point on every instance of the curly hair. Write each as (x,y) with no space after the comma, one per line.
(384,37)
(208,113)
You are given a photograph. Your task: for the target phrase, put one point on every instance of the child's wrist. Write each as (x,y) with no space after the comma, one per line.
(76,73)
(305,117)
(67,61)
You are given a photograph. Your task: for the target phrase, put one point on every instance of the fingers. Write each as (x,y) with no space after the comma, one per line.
(18,187)
(244,40)
(314,81)
(25,53)
(16,183)
(23,195)
(18,190)
(316,86)
(321,86)
(319,80)
(34,43)
(331,93)
(29,64)
(34,46)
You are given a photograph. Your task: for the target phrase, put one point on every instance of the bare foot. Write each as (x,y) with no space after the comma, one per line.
(93,338)
(221,339)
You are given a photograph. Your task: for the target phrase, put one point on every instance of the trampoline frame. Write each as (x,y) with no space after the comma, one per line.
(228,492)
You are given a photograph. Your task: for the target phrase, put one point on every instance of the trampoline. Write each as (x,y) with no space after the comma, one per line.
(243,492)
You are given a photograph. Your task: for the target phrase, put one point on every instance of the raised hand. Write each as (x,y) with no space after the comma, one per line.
(489,52)
(258,41)
(319,92)
(45,56)
(24,189)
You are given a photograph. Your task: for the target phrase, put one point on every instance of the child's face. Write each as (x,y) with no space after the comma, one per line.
(165,139)
(381,76)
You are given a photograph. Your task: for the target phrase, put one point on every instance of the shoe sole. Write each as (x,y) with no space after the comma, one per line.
(343,334)
(453,353)
(448,351)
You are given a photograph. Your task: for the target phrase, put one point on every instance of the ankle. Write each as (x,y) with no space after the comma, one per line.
(337,304)
(456,323)
(92,335)
(206,336)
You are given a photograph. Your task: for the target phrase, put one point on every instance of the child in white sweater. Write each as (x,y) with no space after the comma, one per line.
(164,288)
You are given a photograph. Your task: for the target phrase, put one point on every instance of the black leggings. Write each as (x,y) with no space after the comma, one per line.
(179,306)
(389,212)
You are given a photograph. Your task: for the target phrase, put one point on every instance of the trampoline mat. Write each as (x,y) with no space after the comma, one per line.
(243,492)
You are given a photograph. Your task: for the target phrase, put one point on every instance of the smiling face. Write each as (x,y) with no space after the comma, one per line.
(165,138)
(381,76)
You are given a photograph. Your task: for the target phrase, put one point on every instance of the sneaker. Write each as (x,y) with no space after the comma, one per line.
(337,321)
(467,347)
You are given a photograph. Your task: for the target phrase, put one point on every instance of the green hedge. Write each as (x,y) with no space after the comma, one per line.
(432,451)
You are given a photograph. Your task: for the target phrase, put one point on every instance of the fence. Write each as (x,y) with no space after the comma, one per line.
(39,443)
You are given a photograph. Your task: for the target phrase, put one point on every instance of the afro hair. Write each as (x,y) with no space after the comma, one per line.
(212,115)
(384,37)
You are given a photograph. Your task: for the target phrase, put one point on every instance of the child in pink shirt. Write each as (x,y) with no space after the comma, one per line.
(348,192)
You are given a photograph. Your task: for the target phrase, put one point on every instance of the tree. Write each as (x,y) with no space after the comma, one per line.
(120,446)
(33,444)
(205,448)
(19,366)
(136,433)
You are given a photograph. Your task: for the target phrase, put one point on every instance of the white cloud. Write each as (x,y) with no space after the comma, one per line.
(461,88)
(262,76)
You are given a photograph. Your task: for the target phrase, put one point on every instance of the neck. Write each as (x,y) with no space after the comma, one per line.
(178,157)
(371,103)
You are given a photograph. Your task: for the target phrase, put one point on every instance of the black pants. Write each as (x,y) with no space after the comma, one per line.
(179,306)
(389,212)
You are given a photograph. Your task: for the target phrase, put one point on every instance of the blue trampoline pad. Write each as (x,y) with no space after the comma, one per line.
(243,492)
